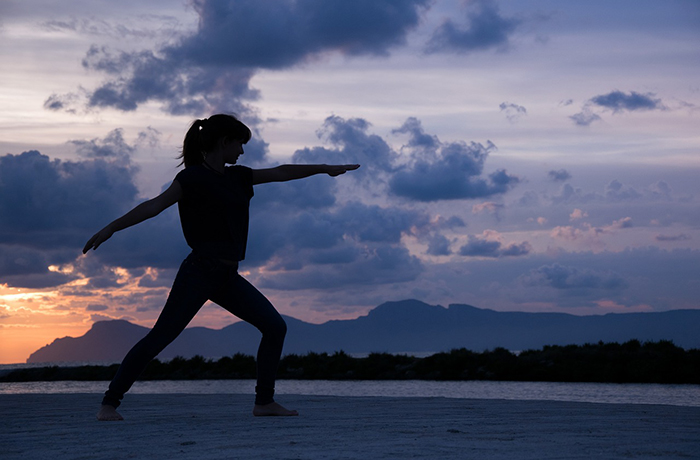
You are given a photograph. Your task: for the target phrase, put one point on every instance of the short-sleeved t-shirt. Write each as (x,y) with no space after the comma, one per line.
(214,210)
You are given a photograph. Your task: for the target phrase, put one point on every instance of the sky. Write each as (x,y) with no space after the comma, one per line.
(536,156)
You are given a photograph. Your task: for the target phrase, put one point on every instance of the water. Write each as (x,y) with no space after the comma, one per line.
(608,393)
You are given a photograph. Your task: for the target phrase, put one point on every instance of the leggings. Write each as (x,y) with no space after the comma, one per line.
(198,280)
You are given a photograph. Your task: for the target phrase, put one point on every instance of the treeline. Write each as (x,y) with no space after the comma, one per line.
(630,362)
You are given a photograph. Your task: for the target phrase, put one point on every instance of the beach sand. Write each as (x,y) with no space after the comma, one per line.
(63,426)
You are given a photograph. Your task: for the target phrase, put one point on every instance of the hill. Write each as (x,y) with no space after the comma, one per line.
(407,326)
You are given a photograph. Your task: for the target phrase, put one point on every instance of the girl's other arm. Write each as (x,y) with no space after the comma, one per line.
(144,211)
(284,173)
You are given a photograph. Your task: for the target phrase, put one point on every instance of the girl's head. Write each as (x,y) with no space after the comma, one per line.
(209,134)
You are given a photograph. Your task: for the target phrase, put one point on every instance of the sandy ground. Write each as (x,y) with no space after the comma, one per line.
(221,427)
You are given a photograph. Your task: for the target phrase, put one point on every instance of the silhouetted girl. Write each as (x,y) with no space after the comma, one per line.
(213,202)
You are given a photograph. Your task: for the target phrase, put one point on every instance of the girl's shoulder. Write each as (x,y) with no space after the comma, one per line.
(191,174)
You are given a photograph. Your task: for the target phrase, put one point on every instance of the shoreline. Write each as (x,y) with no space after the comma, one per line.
(683,395)
(217,426)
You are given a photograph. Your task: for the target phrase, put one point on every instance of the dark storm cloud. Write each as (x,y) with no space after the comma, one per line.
(439,245)
(618,101)
(445,171)
(43,199)
(486,28)
(426,170)
(318,192)
(49,208)
(212,68)
(352,144)
(23,266)
(560,175)
(418,139)
(371,223)
(342,231)
(481,247)
(573,278)
(383,264)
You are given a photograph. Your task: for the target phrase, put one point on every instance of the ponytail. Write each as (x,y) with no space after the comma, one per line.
(204,136)
(192,147)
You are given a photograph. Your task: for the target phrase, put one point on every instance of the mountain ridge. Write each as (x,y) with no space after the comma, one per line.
(396,327)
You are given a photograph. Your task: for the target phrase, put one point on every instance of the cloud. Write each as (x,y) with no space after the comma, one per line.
(585,117)
(67,102)
(317,192)
(297,227)
(625,222)
(488,245)
(614,192)
(512,111)
(23,266)
(352,143)
(617,101)
(577,214)
(43,202)
(426,170)
(486,28)
(438,245)
(679,237)
(371,223)
(589,234)
(563,277)
(560,175)
(292,238)
(111,146)
(385,264)
(454,221)
(167,26)
(489,207)
(446,171)
(418,139)
(49,208)
(211,69)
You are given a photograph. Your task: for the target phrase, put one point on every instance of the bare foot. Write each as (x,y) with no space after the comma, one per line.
(272,409)
(108,414)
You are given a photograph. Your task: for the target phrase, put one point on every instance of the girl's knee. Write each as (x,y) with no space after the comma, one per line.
(276,328)
(281,327)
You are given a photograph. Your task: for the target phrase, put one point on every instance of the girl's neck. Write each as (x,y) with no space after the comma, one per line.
(214,161)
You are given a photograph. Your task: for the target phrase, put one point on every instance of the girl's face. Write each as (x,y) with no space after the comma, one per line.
(232,150)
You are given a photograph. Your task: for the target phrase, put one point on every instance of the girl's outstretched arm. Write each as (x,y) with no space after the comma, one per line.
(284,173)
(144,211)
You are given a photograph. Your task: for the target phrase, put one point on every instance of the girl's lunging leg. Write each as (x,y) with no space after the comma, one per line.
(243,300)
(188,294)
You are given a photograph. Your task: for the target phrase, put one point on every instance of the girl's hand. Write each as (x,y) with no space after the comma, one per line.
(337,170)
(98,238)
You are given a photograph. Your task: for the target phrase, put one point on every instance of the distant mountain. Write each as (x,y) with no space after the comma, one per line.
(395,327)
